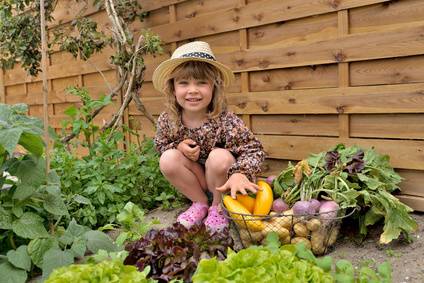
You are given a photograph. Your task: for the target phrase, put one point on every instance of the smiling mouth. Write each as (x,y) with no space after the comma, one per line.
(193,99)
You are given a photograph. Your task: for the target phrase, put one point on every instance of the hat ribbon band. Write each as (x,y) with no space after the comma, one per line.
(200,55)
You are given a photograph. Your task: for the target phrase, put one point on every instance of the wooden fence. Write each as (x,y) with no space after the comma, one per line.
(309,74)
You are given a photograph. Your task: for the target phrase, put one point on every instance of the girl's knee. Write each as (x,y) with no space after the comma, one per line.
(170,161)
(219,161)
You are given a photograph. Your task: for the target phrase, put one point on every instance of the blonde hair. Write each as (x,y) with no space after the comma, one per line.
(197,70)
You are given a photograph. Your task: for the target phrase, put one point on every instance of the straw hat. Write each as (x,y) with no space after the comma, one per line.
(193,51)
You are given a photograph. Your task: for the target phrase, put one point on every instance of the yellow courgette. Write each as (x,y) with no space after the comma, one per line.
(264,199)
(241,215)
(247,201)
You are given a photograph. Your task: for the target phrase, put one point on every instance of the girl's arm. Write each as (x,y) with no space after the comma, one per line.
(163,140)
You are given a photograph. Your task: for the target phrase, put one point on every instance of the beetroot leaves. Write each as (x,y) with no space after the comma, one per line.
(174,252)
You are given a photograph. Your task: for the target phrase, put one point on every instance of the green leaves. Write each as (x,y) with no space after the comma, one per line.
(11,274)
(353,177)
(98,186)
(97,240)
(105,271)
(38,247)
(53,201)
(20,258)
(55,258)
(29,226)
(9,138)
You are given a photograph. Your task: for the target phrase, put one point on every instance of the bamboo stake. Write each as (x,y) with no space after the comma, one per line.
(44,78)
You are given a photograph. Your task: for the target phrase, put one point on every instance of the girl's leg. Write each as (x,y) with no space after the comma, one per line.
(189,178)
(216,167)
(185,175)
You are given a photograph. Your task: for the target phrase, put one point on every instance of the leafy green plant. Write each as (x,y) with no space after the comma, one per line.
(174,252)
(105,271)
(131,224)
(30,200)
(261,264)
(288,263)
(32,206)
(98,185)
(80,117)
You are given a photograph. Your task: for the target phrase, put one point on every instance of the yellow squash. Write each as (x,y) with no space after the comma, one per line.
(264,199)
(247,201)
(241,215)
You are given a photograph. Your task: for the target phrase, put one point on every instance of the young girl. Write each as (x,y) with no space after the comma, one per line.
(203,147)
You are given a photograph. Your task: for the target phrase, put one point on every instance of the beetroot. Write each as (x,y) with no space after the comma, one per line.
(278,205)
(314,204)
(302,207)
(270,179)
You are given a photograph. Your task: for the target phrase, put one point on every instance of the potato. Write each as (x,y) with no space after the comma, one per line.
(296,240)
(285,240)
(313,224)
(289,214)
(318,241)
(333,236)
(252,238)
(301,230)
(282,221)
(257,237)
(271,227)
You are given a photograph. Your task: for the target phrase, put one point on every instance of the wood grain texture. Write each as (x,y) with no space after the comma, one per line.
(253,14)
(405,154)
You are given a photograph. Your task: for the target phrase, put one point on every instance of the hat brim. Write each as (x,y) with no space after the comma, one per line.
(163,71)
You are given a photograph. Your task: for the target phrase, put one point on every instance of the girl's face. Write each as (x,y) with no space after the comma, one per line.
(193,95)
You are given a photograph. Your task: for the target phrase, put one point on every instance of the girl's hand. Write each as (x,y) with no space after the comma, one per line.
(238,183)
(190,149)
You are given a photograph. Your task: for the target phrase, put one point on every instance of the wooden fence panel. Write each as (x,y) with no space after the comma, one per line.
(309,74)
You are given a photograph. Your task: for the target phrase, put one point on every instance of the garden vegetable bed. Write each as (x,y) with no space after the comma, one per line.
(405,259)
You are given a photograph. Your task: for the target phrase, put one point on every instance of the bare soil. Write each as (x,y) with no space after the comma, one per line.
(404,257)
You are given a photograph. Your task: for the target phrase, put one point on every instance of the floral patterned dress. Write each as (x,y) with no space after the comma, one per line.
(227,131)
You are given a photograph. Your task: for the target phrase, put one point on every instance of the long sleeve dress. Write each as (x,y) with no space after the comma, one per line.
(227,131)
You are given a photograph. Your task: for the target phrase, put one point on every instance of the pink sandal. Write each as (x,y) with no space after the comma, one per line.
(215,221)
(193,215)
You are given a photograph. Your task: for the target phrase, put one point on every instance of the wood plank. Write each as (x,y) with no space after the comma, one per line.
(322,76)
(273,166)
(355,47)
(344,125)
(404,154)
(67,10)
(350,48)
(383,15)
(149,5)
(222,43)
(286,33)
(192,9)
(305,125)
(253,14)
(388,71)
(368,99)
(413,182)
(14,90)
(416,203)
(73,68)
(397,99)
(2,87)
(389,126)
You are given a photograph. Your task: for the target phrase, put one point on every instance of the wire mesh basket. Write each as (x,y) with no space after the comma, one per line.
(318,232)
